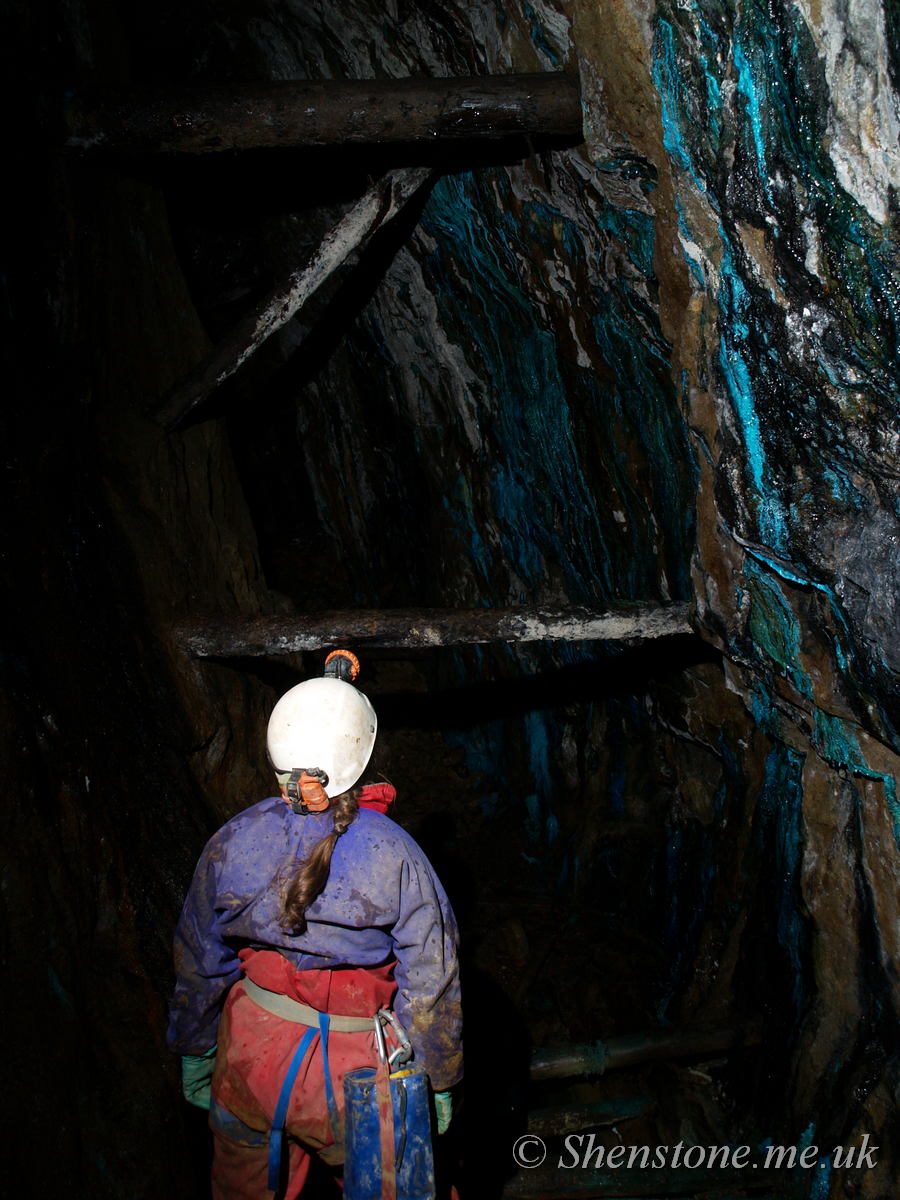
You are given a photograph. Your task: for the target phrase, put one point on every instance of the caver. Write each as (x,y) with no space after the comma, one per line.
(309,914)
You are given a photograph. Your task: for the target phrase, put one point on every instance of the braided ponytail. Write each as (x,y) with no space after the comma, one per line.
(312,875)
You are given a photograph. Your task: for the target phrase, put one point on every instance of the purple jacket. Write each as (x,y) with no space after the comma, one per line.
(382,901)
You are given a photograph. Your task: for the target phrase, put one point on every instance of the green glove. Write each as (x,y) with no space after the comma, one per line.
(196,1073)
(443,1103)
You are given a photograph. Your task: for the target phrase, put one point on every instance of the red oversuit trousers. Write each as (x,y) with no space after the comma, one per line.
(255,1050)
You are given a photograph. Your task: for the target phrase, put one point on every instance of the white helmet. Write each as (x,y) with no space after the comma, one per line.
(326,725)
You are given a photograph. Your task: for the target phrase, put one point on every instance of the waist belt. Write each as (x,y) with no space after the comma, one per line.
(302,1014)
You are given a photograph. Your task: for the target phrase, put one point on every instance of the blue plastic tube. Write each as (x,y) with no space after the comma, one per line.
(412,1135)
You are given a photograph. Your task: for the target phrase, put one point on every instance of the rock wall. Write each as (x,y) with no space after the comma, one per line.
(117,759)
(677,339)
(775,130)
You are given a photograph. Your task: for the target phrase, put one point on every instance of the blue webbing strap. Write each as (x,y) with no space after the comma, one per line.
(334,1118)
(281,1108)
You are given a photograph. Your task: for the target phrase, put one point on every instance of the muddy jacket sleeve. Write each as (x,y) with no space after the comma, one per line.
(205,965)
(427,974)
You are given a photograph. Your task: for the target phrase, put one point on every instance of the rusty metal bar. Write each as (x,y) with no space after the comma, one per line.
(303,113)
(423,627)
(594,1058)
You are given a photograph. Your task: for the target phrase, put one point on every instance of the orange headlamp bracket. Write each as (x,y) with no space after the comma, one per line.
(306,790)
(342,664)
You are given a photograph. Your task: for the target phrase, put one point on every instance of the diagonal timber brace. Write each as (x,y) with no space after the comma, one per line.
(418,628)
(375,209)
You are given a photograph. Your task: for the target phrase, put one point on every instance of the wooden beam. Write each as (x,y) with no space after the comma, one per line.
(569,1118)
(302,113)
(655,1045)
(375,209)
(419,628)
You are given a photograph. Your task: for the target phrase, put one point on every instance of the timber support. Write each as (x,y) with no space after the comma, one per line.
(420,628)
(380,203)
(656,1045)
(305,113)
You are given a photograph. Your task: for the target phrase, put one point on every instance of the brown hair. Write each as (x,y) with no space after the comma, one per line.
(309,880)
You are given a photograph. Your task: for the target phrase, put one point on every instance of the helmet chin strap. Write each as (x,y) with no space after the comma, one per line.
(305,790)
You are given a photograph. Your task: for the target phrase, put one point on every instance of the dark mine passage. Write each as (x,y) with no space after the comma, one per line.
(545,356)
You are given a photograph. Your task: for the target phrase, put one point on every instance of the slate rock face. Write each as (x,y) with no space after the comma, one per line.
(795,261)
